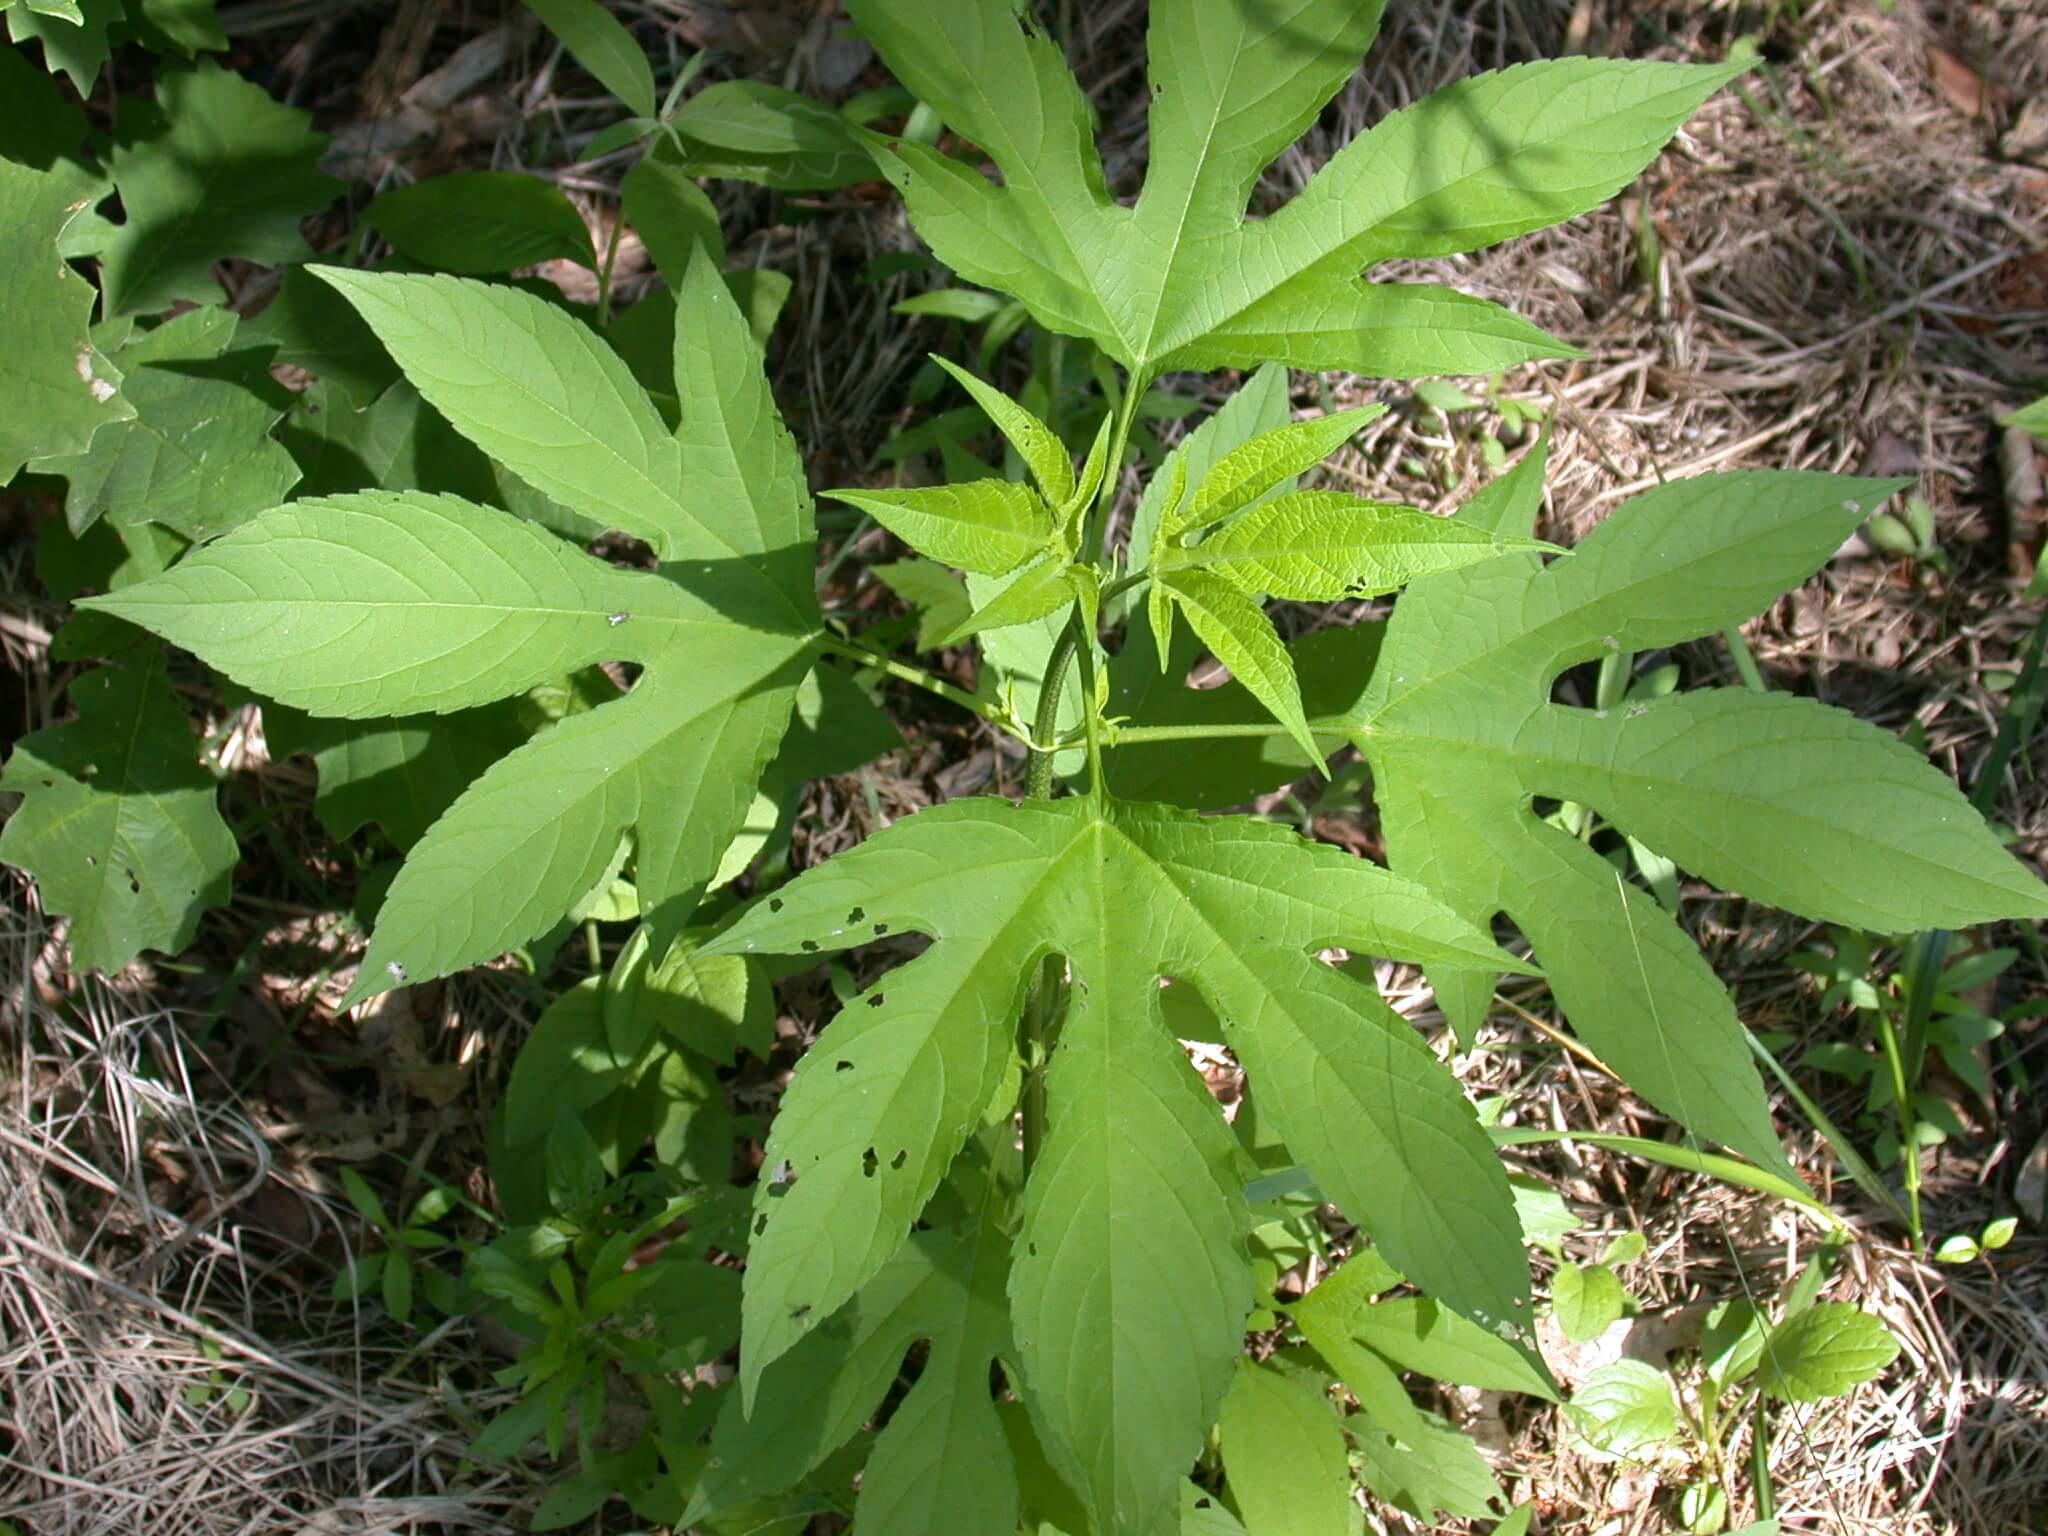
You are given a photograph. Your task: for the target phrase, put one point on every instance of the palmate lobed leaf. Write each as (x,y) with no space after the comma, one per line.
(1130,1286)
(1182,280)
(211,168)
(198,456)
(60,389)
(73,34)
(119,823)
(1780,798)
(400,773)
(940,1467)
(400,604)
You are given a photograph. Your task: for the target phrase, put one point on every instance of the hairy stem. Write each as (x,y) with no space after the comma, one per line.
(1047,1001)
(1038,776)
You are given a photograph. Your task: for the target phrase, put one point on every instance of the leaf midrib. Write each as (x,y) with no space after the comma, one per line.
(1438,749)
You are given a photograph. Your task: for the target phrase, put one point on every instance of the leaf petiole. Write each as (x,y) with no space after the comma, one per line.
(917,677)
(1129,735)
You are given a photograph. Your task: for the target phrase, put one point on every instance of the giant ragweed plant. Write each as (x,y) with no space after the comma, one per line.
(997,1151)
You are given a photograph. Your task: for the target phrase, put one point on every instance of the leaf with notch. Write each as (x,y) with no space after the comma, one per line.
(1779,797)
(400,773)
(212,168)
(60,389)
(1130,1287)
(1182,280)
(119,823)
(942,1467)
(386,603)
(198,456)
(73,34)
(1427,1467)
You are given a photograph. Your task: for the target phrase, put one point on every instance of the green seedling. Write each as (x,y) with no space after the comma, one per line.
(400,1269)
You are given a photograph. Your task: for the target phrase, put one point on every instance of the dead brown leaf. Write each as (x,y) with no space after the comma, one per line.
(1961,86)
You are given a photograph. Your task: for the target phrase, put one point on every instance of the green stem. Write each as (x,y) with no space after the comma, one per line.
(1042,1010)
(1744,659)
(1091,720)
(1113,466)
(917,677)
(1124,584)
(1902,1102)
(844,551)
(1860,1172)
(1128,735)
(1612,688)
(1760,1463)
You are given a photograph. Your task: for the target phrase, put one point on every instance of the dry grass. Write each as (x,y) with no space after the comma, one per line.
(1836,272)
(169,1360)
